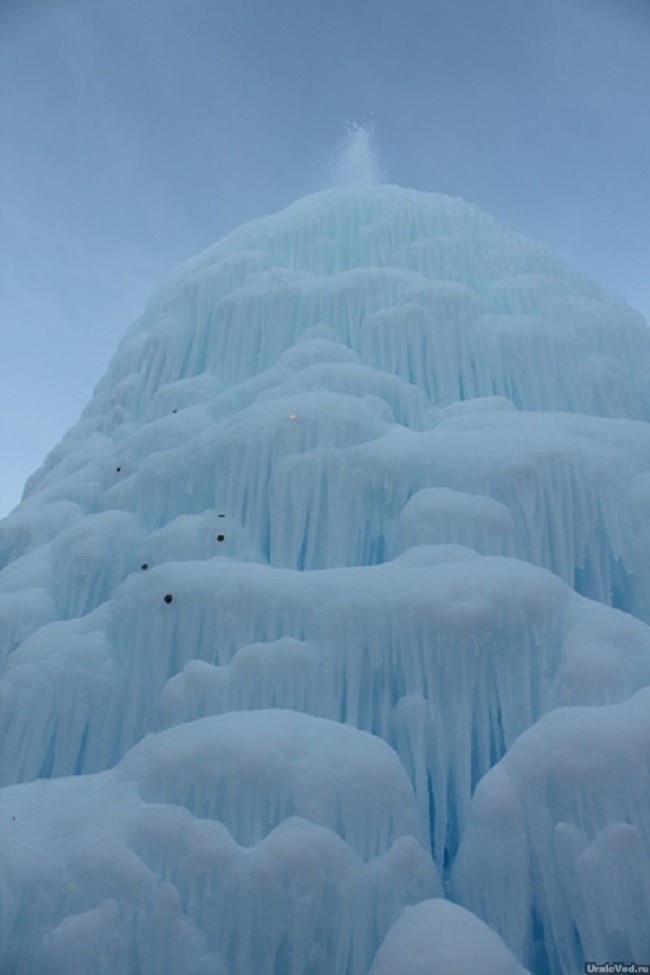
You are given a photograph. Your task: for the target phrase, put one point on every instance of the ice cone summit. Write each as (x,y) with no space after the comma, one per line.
(332,611)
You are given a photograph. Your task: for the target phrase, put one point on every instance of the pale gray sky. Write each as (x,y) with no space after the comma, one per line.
(133,133)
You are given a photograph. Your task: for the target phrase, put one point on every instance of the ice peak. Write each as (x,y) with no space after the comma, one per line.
(278,635)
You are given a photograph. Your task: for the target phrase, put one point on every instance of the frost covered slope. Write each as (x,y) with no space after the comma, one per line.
(357,506)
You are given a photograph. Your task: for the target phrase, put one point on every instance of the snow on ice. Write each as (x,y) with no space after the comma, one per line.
(332,605)
(441,937)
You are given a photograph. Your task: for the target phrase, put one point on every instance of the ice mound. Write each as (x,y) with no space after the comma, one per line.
(437,936)
(286,619)
(561,823)
(440,515)
(136,869)
(251,770)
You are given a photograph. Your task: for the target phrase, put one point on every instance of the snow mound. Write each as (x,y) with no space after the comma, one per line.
(135,870)
(437,936)
(252,770)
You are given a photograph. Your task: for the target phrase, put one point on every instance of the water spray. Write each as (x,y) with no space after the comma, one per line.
(357,162)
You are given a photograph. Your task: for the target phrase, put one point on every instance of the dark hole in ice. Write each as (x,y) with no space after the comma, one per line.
(221,538)
(174,411)
(168,598)
(221,516)
(144,566)
(118,469)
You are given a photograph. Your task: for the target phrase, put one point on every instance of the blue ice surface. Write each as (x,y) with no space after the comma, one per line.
(323,634)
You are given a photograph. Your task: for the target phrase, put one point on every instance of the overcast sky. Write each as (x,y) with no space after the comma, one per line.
(133,133)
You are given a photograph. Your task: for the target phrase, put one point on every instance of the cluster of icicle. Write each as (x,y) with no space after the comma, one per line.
(322,639)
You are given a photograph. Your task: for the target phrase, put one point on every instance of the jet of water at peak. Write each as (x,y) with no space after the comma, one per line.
(357,162)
